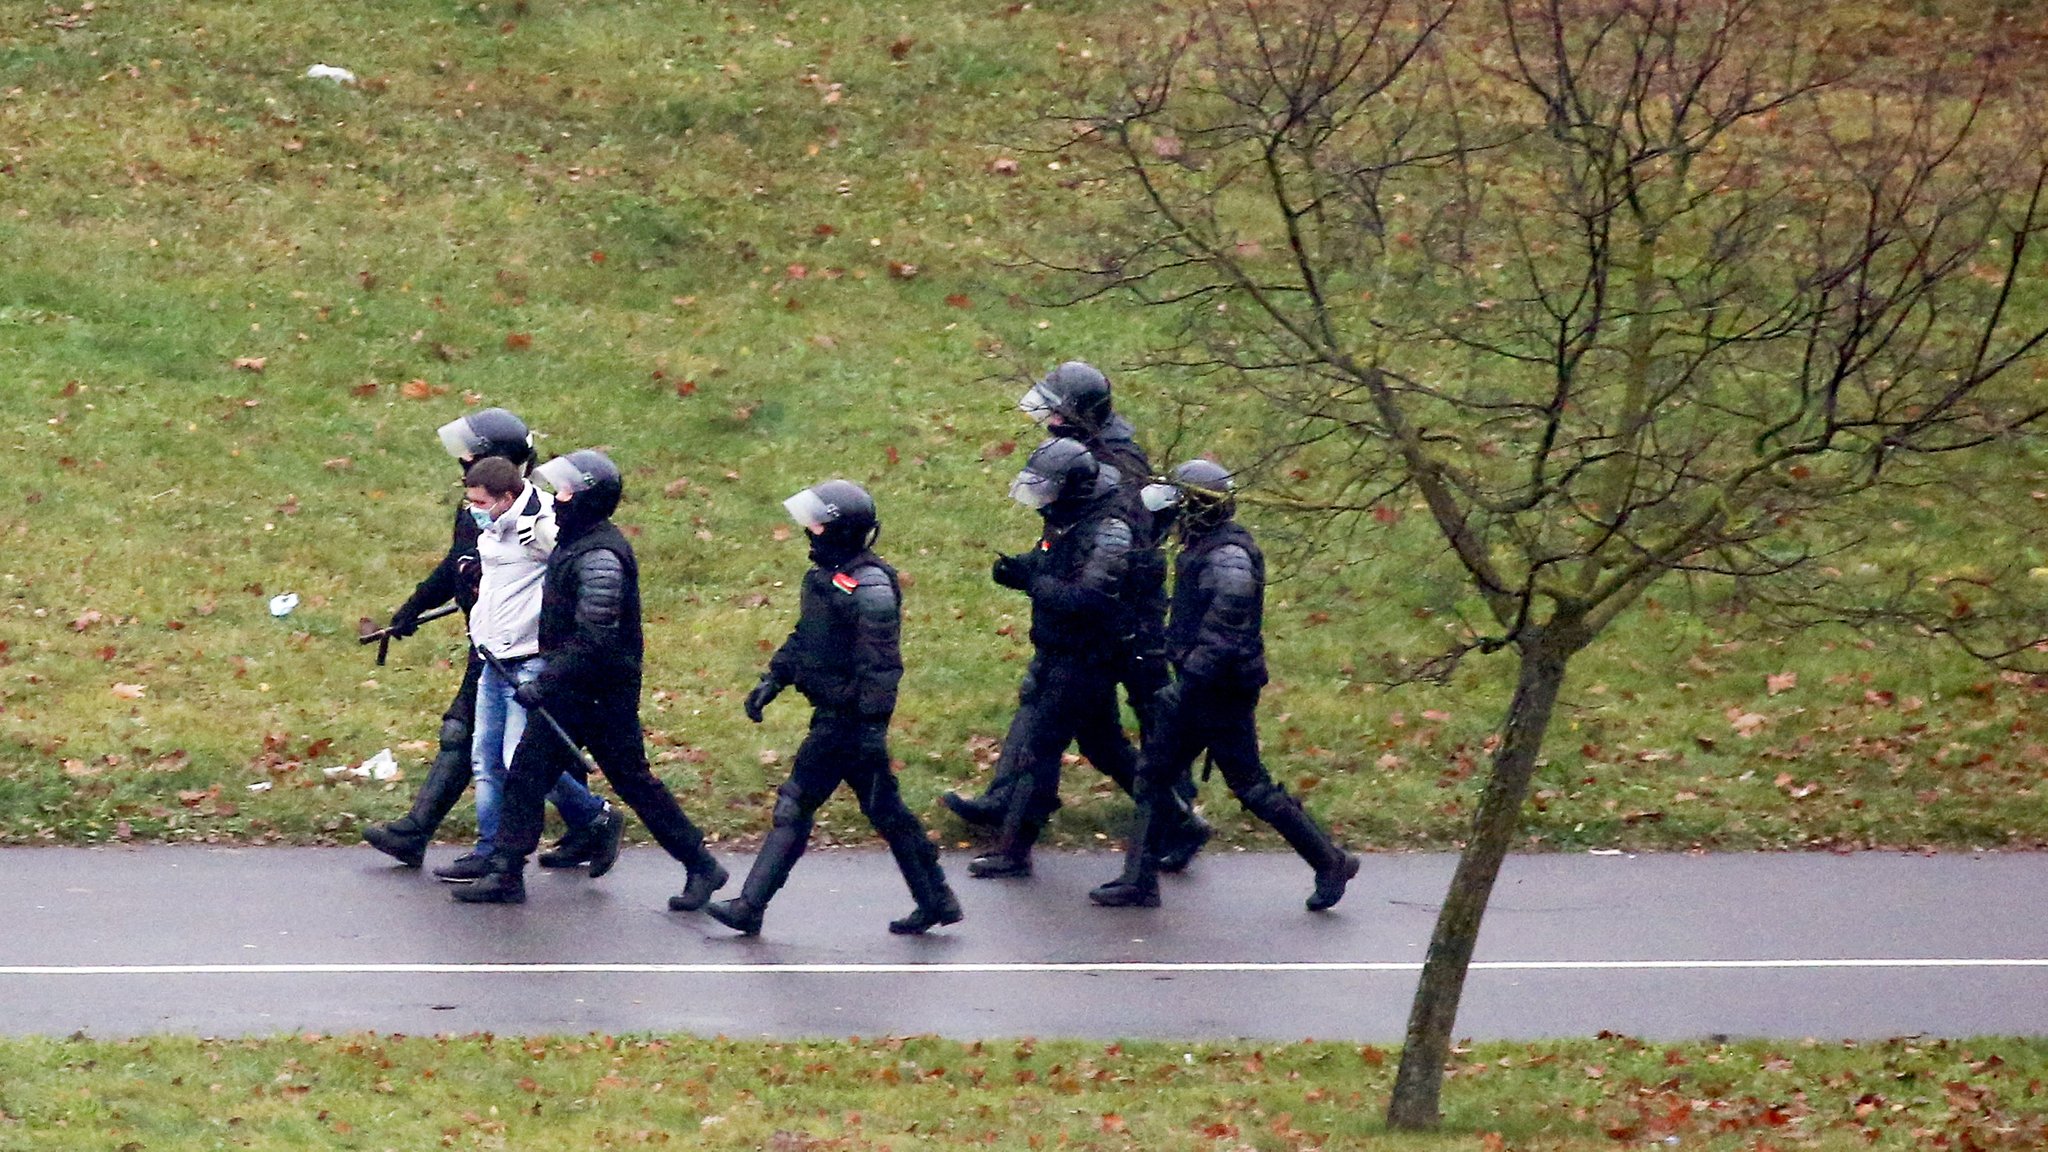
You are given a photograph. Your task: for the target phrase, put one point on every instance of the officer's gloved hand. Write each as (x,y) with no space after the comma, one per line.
(1011,572)
(469,572)
(404,622)
(527,695)
(764,692)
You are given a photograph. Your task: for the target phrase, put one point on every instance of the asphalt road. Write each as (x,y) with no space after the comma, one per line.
(126,941)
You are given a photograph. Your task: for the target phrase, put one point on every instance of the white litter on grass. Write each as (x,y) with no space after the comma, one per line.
(260,786)
(283,603)
(382,766)
(1605,852)
(325,72)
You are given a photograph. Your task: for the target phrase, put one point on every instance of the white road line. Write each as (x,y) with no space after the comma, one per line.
(994,968)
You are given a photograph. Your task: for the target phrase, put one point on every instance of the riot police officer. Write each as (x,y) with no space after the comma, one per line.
(1214,637)
(1074,401)
(490,432)
(844,656)
(1075,577)
(591,644)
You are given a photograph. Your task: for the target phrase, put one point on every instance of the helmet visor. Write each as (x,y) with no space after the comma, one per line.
(1034,491)
(1160,497)
(562,475)
(1040,403)
(809,510)
(461,440)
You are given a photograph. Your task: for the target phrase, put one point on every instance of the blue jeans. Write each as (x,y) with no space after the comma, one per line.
(500,722)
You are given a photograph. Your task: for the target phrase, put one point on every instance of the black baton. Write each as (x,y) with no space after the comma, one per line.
(366,633)
(505,674)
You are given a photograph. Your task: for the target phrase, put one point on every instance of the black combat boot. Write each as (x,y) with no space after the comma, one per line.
(1334,866)
(984,811)
(1127,891)
(919,863)
(503,884)
(1186,837)
(1330,882)
(467,868)
(779,853)
(699,883)
(1012,855)
(406,838)
(595,844)
(1138,887)
(943,908)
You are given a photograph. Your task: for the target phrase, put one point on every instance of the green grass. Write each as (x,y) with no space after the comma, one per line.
(371,1092)
(699,221)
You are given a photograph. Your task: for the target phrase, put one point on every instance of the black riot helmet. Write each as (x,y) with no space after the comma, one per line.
(840,517)
(491,432)
(1200,493)
(1077,393)
(590,479)
(1061,472)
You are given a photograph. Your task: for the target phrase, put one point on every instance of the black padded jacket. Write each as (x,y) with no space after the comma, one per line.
(1214,634)
(451,579)
(590,618)
(845,653)
(1078,577)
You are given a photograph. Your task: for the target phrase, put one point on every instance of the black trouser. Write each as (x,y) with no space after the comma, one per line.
(843,749)
(609,728)
(1142,675)
(1143,672)
(1221,720)
(450,773)
(1066,701)
(846,749)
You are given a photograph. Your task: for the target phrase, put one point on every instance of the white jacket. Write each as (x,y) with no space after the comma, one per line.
(514,552)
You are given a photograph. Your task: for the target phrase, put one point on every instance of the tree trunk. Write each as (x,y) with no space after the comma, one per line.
(1419,1083)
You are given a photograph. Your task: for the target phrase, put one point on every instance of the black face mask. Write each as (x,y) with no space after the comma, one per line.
(1065,512)
(836,545)
(1199,517)
(573,517)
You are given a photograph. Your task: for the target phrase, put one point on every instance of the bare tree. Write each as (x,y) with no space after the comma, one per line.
(1618,288)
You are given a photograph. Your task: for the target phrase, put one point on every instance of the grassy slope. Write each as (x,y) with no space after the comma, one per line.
(683,232)
(922,1093)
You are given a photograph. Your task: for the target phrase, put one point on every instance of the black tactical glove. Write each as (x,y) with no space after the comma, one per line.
(527,695)
(469,572)
(764,692)
(1011,572)
(404,622)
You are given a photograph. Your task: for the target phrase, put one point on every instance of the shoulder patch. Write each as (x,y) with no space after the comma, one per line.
(845,582)
(1044,545)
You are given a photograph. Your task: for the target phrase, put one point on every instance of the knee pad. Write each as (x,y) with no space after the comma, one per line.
(789,808)
(454,733)
(1264,797)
